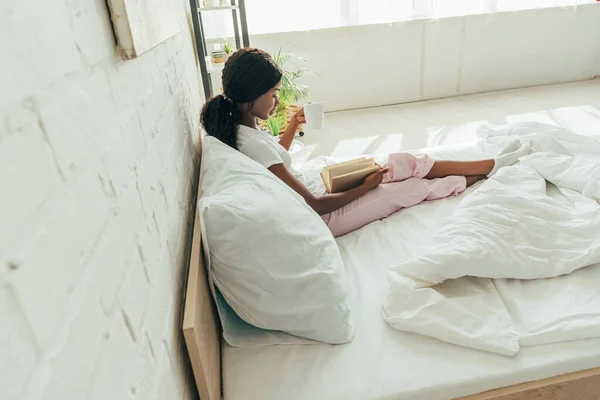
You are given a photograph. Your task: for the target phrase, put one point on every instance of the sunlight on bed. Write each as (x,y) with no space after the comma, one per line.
(388,143)
(584,120)
(350,147)
(537,116)
(437,136)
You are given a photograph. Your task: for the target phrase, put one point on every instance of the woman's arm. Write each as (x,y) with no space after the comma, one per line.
(290,131)
(330,202)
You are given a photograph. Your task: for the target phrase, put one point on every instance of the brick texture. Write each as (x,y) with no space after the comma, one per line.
(97,172)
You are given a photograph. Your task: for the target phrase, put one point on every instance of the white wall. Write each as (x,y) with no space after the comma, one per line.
(364,66)
(97,165)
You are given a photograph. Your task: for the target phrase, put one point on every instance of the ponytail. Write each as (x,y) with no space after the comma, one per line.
(220,118)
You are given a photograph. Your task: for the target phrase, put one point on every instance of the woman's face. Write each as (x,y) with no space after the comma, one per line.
(266,104)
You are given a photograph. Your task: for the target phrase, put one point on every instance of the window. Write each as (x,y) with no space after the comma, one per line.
(272,16)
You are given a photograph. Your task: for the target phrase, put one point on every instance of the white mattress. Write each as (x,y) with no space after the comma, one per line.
(381,362)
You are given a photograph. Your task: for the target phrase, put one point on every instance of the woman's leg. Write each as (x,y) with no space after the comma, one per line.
(404,165)
(405,188)
(385,200)
(508,156)
(441,169)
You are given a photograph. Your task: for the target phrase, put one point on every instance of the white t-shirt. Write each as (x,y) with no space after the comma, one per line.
(262,147)
(265,149)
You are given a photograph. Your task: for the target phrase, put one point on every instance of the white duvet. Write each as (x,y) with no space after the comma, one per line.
(516,229)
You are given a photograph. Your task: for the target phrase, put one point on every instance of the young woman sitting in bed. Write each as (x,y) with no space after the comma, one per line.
(251,82)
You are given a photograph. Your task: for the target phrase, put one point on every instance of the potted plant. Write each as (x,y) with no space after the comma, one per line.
(276,124)
(227,48)
(291,92)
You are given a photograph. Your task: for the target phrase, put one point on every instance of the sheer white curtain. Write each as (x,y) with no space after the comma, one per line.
(272,16)
(374,11)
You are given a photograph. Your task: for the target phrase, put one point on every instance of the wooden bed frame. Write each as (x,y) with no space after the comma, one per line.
(202,333)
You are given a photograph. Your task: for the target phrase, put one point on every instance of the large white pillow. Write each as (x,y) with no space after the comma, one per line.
(271,256)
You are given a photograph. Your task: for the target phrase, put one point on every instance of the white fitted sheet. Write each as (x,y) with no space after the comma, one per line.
(382,363)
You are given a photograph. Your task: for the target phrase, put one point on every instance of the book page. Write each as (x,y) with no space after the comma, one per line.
(326,180)
(356,160)
(342,169)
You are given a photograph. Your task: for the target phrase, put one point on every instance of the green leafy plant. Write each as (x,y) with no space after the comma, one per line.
(227,48)
(291,90)
(276,123)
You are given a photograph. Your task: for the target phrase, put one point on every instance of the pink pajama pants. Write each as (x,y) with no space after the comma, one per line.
(402,187)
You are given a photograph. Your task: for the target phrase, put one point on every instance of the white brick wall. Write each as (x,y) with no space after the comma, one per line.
(97,167)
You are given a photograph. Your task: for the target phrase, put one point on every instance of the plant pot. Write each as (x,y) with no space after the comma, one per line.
(289,113)
(218,57)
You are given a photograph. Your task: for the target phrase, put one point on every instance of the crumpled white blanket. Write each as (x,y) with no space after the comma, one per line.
(513,226)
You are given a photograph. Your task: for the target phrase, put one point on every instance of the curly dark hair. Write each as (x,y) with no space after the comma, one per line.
(248,74)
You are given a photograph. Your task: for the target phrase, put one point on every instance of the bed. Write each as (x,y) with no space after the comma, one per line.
(380,363)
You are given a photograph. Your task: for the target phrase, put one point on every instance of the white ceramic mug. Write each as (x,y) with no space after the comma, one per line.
(313,112)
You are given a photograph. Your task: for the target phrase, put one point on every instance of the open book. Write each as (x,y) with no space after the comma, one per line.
(347,175)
